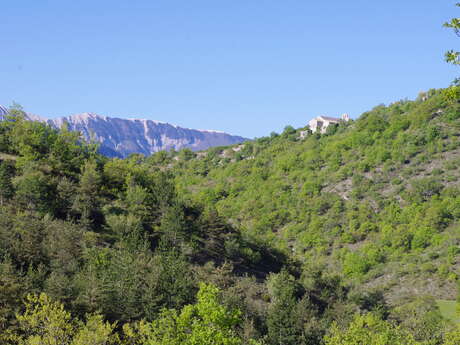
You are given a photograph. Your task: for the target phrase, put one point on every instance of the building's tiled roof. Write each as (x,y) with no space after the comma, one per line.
(331,119)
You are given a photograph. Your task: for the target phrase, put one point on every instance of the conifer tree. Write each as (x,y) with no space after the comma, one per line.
(6,186)
(87,198)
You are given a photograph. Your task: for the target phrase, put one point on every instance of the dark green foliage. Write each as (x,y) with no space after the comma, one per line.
(284,325)
(6,185)
(35,189)
(87,203)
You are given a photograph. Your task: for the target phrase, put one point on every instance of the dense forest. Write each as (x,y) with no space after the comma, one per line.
(349,237)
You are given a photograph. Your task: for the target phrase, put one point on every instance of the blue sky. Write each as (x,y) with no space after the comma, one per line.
(242,66)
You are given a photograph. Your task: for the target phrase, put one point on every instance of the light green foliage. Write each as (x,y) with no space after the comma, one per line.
(95,332)
(205,323)
(45,322)
(186,154)
(453,337)
(453,94)
(449,310)
(355,264)
(31,140)
(368,330)
(67,154)
(453,56)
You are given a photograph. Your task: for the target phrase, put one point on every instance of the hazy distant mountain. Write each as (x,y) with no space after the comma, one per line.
(3,111)
(121,137)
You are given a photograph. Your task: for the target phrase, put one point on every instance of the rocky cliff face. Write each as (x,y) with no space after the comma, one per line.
(3,111)
(121,137)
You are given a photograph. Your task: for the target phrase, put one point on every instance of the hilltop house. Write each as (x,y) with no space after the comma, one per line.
(319,124)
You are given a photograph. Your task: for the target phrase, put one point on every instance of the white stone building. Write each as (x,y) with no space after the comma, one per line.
(319,124)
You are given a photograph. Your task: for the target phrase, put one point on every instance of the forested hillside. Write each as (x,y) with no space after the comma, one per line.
(376,200)
(350,237)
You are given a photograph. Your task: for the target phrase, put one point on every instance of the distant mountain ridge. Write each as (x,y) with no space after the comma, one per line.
(121,137)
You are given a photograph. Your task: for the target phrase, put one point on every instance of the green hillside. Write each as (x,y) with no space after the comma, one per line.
(376,200)
(342,238)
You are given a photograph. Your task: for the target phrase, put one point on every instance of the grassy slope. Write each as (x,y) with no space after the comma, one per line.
(449,310)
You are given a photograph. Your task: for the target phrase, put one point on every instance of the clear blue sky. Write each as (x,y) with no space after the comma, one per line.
(242,66)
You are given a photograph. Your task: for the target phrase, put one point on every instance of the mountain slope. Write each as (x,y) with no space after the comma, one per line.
(121,137)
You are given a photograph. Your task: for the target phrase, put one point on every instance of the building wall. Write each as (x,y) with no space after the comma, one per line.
(317,122)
